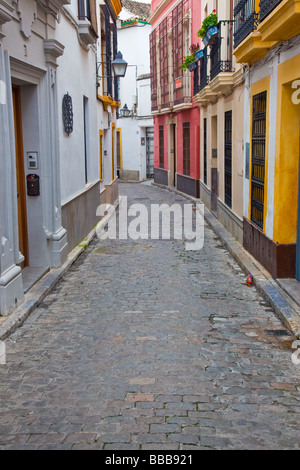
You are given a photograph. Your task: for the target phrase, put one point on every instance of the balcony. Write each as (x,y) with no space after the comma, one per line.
(201,78)
(266,6)
(279,20)
(261,25)
(221,50)
(214,75)
(246,19)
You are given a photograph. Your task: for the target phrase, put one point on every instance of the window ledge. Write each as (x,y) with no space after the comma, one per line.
(86,32)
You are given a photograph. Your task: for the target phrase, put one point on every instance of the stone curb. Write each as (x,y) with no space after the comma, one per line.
(286,309)
(44,286)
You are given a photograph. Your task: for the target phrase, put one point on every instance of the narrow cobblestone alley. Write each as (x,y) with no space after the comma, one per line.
(144,345)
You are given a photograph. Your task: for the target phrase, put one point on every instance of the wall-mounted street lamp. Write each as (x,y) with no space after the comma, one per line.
(125,111)
(119,65)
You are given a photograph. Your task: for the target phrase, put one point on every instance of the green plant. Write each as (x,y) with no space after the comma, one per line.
(187,61)
(210,20)
(194,48)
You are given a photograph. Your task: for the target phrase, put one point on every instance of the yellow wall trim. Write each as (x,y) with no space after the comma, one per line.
(101,155)
(113,142)
(286,154)
(107,100)
(117,6)
(119,131)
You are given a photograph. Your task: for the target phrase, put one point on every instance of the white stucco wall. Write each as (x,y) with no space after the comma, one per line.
(79,82)
(135,89)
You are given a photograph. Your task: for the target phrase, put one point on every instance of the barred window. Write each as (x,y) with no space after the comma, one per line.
(186,148)
(161,147)
(228,158)
(259,111)
(164,62)
(153,68)
(205,150)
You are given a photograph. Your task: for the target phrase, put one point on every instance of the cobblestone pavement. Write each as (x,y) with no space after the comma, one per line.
(144,345)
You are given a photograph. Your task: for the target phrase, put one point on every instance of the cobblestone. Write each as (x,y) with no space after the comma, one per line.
(144,345)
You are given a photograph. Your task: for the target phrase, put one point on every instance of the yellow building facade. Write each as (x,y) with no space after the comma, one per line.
(267,40)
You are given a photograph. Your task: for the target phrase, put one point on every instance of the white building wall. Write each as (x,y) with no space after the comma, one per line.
(135,92)
(79,82)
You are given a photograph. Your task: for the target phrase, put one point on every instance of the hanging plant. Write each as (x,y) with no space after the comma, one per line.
(210,20)
(194,48)
(187,61)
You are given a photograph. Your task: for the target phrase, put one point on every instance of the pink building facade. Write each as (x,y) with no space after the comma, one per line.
(176,118)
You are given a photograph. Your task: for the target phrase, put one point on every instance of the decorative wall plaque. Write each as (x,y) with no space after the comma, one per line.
(68,114)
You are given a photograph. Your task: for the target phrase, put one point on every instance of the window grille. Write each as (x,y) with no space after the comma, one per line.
(186,148)
(259,108)
(153,68)
(228,158)
(205,150)
(161,147)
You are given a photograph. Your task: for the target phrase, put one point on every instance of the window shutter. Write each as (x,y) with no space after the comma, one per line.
(93,11)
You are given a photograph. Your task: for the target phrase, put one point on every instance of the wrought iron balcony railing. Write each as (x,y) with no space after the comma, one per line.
(204,78)
(196,80)
(266,6)
(221,50)
(219,58)
(246,19)
(201,75)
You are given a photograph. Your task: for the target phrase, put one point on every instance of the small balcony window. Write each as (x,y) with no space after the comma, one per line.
(221,50)
(84,12)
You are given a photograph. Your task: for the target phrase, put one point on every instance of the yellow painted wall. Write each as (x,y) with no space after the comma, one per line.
(286,154)
(256,88)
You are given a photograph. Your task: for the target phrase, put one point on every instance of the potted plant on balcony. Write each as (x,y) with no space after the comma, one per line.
(196,51)
(209,28)
(189,63)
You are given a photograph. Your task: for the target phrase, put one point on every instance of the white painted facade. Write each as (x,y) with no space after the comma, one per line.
(135,93)
(45,53)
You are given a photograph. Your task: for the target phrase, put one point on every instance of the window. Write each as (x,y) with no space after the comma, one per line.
(228,158)
(101,159)
(113,151)
(84,10)
(178,44)
(119,149)
(186,148)
(161,147)
(153,68)
(115,50)
(107,60)
(86,136)
(164,65)
(259,109)
(205,150)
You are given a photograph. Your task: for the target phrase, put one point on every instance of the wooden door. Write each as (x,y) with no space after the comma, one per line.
(21,189)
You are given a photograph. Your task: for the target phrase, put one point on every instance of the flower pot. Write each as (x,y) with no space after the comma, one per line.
(192,66)
(211,33)
(199,54)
